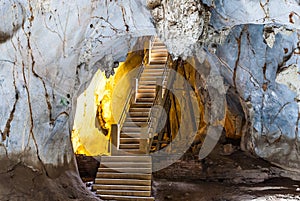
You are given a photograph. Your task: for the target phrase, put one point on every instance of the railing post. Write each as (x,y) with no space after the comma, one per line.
(115,139)
(150,47)
(159,89)
(136,86)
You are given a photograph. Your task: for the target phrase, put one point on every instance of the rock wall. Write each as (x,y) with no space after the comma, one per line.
(255,46)
(180,24)
(49,52)
(271,108)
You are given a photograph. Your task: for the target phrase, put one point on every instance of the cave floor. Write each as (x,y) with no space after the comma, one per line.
(225,176)
(274,189)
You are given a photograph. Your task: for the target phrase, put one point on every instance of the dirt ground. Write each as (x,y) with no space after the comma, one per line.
(225,176)
(272,190)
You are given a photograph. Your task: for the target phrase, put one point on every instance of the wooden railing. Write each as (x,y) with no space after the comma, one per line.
(116,128)
(160,100)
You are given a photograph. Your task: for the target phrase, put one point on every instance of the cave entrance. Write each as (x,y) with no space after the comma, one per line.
(149,111)
(104,101)
(125,99)
(173,106)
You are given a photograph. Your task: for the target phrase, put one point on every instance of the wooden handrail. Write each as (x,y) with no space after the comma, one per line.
(115,128)
(160,99)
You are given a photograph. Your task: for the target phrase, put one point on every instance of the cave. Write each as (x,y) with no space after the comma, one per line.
(149,100)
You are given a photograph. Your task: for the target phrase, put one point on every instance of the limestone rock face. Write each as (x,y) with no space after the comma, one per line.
(256,44)
(271,106)
(12,18)
(261,62)
(49,53)
(231,13)
(179,23)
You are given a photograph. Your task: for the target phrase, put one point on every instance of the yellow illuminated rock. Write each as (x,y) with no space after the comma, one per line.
(100,106)
(86,137)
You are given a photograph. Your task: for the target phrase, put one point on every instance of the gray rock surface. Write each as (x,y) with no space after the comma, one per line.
(12,18)
(45,65)
(180,24)
(235,12)
(251,66)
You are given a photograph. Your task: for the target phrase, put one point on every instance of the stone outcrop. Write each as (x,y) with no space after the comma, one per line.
(180,24)
(255,45)
(13,16)
(271,108)
(50,51)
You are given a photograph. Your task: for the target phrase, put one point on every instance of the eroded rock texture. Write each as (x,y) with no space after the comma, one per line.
(255,46)
(12,17)
(49,53)
(180,24)
(251,66)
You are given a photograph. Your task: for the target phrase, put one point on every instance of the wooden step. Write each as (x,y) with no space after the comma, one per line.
(157,67)
(132,109)
(123,175)
(130,135)
(126,158)
(131,128)
(158,61)
(128,152)
(140,119)
(142,105)
(142,94)
(153,73)
(154,78)
(141,82)
(142,91)
(154,70)
(121,187)
(141,124)
(160,51)
(139,114)
(147,86)
(129,140)
(129,122)
(126,170)
(129,146)
(125,198)
(137,182)
(124,192)
(157,42)
(146,100)
(159,54)
(136,132)
(158,46)
(126,165)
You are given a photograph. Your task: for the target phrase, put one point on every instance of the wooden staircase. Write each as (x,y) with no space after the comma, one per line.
(128,176)
(135,127)
(124,178)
